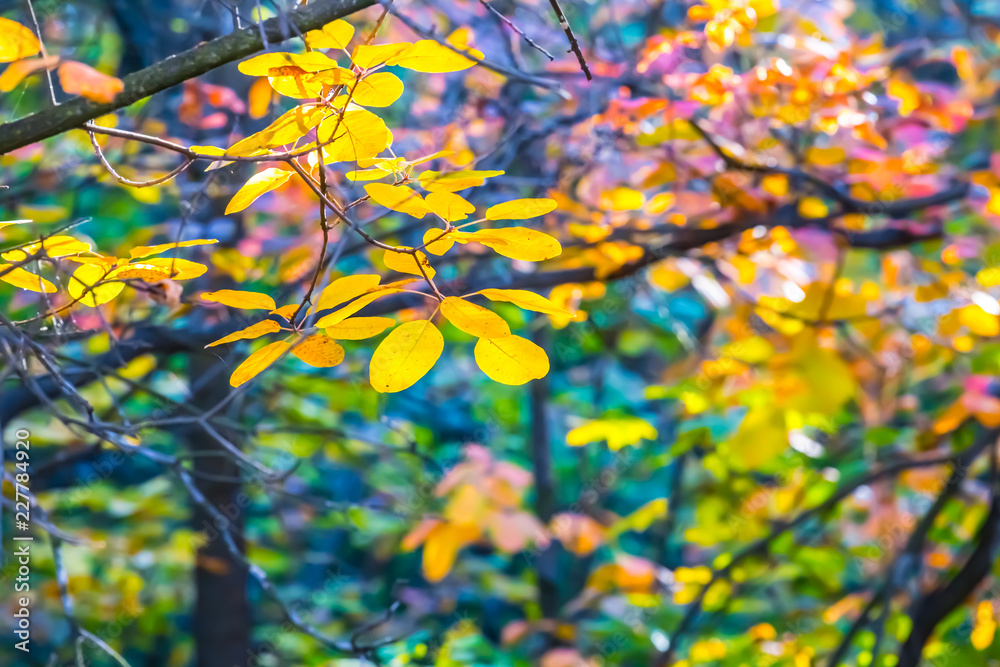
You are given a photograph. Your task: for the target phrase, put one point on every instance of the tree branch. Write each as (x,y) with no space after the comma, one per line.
(175,70)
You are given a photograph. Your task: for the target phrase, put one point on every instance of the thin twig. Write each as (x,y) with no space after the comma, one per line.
(574,46)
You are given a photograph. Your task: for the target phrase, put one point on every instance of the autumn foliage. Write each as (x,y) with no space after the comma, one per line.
(728,271)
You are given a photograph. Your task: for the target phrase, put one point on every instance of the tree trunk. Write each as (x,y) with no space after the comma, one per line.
(222,620)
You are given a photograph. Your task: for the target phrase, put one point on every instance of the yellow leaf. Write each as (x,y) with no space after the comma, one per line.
(397,198)
(775,184)
(239,299)
(365,174)
(617,432)
(272,64)
(761,437)
(407,263)
(53,246)
(641,519)
(257,362)
(286,129)
(18,277)
(525,299)
(259,183)
(359,328)
(300,84)
(519,243)
(405,356)
(177,268)
(907,95)
(622,199)
(251,332)
(359,134)
(319,350)
(147,250)
(519,209)
(812,207)
(989,277)
(259,98)
(79,79)
(83,286)
(449,206)
(377,90)
(140,271)
(473,319)
(8,223)
(440,549)
(430,57)
(16,41)
(285,311)
(434,246)
(511,359)
(338,316)
(344,289)
(334,35)
(826,157)
(979,321)
(436,181)
(370,55)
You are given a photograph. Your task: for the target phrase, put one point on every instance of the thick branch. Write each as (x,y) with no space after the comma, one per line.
(175,70)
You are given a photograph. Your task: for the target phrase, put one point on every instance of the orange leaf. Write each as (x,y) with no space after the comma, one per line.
(79,79)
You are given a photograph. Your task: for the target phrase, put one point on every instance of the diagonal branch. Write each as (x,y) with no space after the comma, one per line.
(175,70)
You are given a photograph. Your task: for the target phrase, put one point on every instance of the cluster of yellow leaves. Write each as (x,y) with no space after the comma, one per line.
(484,496)
(617,432)
(726,20)
(17,46)
(98,279)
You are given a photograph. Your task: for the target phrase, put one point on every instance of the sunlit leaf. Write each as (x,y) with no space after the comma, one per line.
(405,356)
(520,209)
(429,56)
(370,55)
(257,362)
(18,277)
(377,90)
(436,181)
(525,299)
(408,263)
(240,299)
(449,206)
(521,243)
(338,316)
(83,286)
(286,129)
(344,289)
(273,64)
(53,246)
(359,328)
(259,184)
(357,135)
(435,244)
(16,41)
(618,432)
(253,331)
(473,319)
(319,350)
(398,198)
(177,268)
(334,35)
(511,359)
(148,250)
